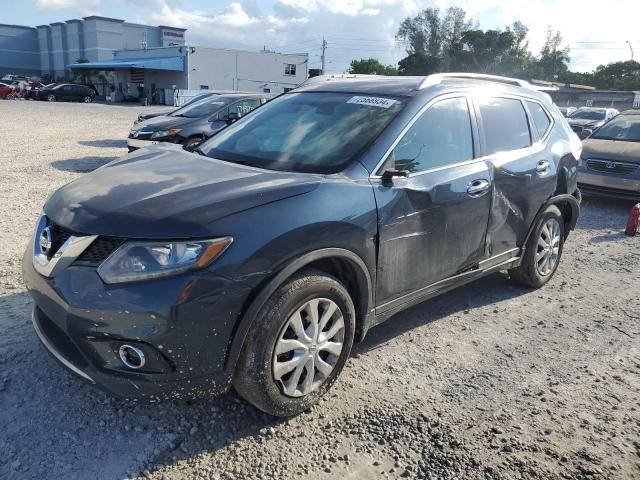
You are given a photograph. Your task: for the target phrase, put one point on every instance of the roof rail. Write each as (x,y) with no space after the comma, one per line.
(345,76)
(438,78)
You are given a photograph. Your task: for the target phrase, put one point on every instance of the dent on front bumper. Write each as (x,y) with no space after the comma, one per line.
(184,324)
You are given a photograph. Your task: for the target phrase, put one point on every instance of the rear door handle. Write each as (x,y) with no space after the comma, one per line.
(478,187)
(543,167)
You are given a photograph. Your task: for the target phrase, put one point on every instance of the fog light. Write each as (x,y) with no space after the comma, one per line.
(131,356)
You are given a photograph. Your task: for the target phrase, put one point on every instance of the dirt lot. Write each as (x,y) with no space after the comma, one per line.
(489,381)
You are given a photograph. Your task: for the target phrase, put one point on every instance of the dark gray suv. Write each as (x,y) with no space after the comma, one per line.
(258,259)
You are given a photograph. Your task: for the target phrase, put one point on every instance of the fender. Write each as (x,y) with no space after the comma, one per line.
(557,200)
(265,293)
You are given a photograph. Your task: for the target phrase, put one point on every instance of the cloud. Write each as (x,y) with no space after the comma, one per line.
(60,4)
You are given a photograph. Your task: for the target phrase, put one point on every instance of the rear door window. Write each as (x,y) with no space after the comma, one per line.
(541,121)
(244,106)
(505,124)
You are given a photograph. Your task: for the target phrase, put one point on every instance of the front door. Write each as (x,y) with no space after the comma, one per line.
(433,223)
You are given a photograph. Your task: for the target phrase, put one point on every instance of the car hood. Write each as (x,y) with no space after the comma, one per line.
(163,192)
(164,122)
(615,150)
(583,122)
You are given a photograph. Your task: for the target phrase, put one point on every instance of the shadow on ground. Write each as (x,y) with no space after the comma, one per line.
(104,143)
(81,165)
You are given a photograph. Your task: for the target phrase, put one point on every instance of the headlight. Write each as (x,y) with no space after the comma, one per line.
(145,260)
(165,133)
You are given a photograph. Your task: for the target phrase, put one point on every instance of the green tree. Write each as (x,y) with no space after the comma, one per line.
(617,76)
(433,36)
(485,52)
(371,66)
(554,58)
(419,64)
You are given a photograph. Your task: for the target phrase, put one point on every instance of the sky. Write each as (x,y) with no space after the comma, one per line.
(597,32)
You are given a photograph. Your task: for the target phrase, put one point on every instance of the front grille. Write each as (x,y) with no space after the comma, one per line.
(59,235)
(100,249)
(95,253)
(607,166)
(142,136)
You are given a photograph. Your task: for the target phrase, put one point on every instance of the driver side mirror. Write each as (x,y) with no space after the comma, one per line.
(587,132)
(231,117)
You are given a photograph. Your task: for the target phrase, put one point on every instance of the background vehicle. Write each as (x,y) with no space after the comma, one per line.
(567,111)
(259,260)
(585,119)
(7,92)
(610,163)
(205,93)
(66,92)
(193,123)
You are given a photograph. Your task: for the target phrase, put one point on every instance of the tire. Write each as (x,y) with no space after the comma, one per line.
(546,242)
(87,99)
(51,98)
(276,384)
(192,142)
(9,96)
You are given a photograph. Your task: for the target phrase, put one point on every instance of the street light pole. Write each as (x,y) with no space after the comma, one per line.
(630,48)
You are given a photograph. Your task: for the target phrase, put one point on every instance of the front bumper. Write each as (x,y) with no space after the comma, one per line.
(184,324)
(134,143)
(609,184)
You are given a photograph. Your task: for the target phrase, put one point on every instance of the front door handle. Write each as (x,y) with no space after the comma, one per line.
(478,187)
(543,167)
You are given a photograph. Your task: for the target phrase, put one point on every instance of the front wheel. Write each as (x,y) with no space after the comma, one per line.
(9,96)
(297,346)
(51,98)
(88,99)
(543,250)
(192,143)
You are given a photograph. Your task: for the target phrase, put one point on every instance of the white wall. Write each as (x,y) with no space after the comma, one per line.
(221,69)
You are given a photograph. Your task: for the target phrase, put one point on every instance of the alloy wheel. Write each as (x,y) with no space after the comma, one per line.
(87,99)
(308,347)
(548,248)
(51,98)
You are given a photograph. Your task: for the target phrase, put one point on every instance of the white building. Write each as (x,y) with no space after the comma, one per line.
(157,72)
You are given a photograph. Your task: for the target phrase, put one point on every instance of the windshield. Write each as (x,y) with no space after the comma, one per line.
(588,115)
(203,108)
(626,128)
(305,132)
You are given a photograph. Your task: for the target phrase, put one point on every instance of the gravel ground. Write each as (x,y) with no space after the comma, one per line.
(490,381)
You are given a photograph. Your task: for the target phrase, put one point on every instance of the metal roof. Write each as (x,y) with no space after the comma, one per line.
(175,64)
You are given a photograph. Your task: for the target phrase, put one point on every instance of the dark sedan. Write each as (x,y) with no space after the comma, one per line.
(611,159)
(67,92)
(195,122)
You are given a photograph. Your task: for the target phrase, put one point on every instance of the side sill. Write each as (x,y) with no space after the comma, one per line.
(486,267)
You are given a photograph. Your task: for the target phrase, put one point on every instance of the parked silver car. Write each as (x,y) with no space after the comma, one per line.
(586,119)
(610,163)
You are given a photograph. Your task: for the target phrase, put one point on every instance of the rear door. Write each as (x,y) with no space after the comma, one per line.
(523,168)
(432,224)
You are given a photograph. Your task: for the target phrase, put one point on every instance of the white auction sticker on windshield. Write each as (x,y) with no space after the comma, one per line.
(379,102)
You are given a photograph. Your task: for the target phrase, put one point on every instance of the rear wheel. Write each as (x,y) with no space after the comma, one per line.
(297,346)
(543,250)
(51,98)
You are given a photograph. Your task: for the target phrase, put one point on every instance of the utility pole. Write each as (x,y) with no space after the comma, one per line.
(630,48)
(324,54)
